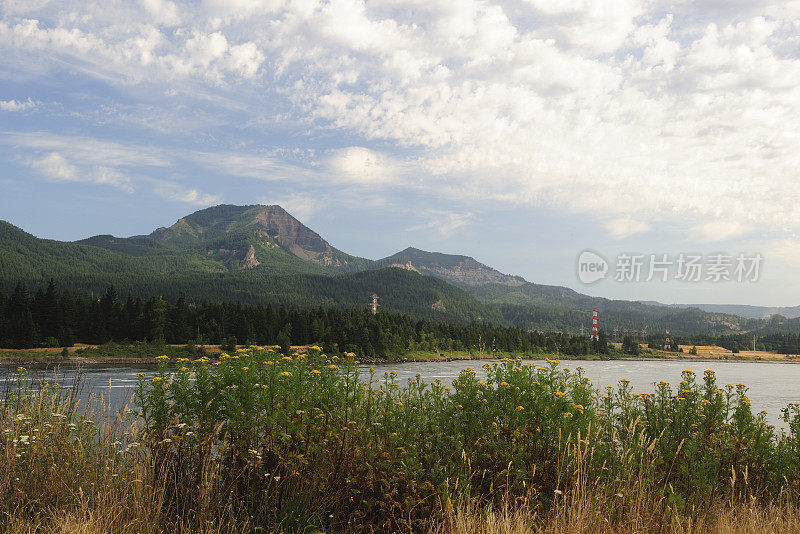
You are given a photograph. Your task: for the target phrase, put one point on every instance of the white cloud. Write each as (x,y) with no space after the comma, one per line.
(301,206)
(163,11)
(623,227)
(716,231)
(178,193)
(617,109)
(89,150)
(87,160)
(56,167)
(362,165)
(444,223)
(17,105)
(594,27)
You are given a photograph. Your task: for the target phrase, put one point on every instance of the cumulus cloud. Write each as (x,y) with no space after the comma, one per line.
(163,11)
(633,112)
(17,105)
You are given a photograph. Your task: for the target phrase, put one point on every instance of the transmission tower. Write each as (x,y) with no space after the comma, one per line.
(667,345)
(595,335)
(374,303)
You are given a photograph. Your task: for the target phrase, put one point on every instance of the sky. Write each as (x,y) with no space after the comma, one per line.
(520,132)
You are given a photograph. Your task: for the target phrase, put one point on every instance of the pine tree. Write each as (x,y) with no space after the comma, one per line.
(22,331)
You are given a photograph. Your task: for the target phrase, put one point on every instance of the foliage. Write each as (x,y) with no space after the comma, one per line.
(630,346)
(24,321)
(305,432)
(260,441)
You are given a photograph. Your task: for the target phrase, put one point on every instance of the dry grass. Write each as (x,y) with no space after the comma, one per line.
(575,518)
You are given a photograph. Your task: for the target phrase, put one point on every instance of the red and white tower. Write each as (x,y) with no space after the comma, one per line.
(374,304)
(667,344)
(595,335)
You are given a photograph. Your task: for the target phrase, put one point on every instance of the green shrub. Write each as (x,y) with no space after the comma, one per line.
(367,450)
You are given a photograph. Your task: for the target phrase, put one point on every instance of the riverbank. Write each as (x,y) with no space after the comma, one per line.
(143,354)
(307,445)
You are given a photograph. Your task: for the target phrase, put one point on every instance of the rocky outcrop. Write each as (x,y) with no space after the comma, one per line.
(250,260)
(462,270)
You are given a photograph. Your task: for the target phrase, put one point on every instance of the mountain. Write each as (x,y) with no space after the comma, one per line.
(263,254)
(463,271)
(243,233)
(250,254)
(537,306)
(742,310)
(240,237)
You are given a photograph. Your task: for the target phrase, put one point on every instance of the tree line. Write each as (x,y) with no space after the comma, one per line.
(52,317)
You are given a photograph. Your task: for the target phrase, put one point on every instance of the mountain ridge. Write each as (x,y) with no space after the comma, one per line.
(223,248)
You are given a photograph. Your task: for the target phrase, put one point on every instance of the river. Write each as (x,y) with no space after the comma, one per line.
(772,385)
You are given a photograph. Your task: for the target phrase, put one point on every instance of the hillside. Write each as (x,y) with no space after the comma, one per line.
(537,306)
(263,254)
(463,271)
(249,236)
(208,266)
(742,310)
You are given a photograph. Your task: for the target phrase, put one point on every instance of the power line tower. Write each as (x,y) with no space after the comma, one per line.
(595,335)
(374,303)
(667,344)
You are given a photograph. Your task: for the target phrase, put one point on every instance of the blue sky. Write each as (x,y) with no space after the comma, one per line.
(519,132)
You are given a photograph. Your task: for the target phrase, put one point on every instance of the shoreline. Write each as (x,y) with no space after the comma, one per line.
(48,359)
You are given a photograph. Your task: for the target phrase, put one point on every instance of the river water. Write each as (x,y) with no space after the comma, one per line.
(772,385)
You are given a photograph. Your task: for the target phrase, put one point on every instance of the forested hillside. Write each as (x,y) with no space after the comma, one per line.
(261,254)
(52,317)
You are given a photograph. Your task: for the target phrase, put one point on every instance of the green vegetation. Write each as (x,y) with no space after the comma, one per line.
(261,440)
(262,255)
(25,322)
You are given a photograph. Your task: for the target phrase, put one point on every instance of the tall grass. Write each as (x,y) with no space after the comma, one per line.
(261,441)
